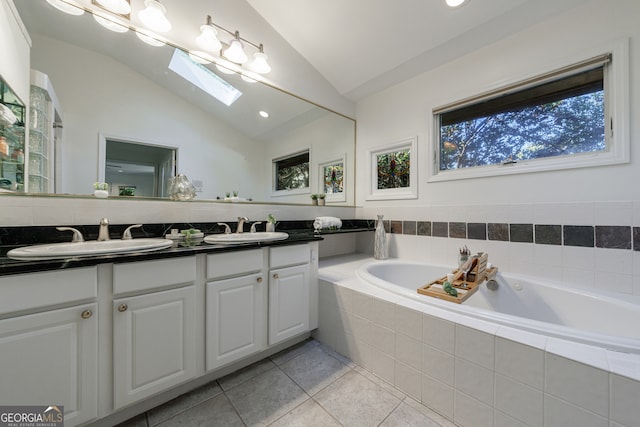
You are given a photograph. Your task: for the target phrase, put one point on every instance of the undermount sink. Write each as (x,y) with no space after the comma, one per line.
(94,247)
(237,238)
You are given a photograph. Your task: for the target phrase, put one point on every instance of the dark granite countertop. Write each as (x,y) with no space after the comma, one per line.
(23,236)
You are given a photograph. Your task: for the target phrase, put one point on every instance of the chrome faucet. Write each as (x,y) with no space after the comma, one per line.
(241,221)
(103,234)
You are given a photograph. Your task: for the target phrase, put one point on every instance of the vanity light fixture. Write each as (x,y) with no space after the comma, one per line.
(67,6)
(208,39)
(153,16)
(235,51)
(200,57)
(149,38)
(455,3)
(110,24)
(259,63)
(120,7)
(264,114)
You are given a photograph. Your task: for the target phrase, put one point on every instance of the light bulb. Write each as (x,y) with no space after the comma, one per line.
(68,6)
(111,25)
(208,39)
(154,16)
(260,64)
(121,7)
(235,52)
(150,38)
(264,114)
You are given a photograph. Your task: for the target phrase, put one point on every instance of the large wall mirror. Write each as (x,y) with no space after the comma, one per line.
(113,87)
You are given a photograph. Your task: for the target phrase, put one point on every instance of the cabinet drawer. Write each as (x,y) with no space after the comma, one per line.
(141,276)
(231,264)
(35,290)
(289,255)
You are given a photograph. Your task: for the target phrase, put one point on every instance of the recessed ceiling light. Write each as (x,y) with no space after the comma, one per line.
(455,3)
(264,114)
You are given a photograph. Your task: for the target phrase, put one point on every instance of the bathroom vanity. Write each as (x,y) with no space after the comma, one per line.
(119,334)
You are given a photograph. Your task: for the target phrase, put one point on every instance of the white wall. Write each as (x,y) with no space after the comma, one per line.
(14,45)
(98,94)
(595,196)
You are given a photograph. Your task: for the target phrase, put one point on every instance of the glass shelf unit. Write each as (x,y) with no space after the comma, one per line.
(12,140)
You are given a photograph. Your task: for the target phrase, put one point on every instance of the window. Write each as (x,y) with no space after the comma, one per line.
(291,172)
(560,119)
(332,180)
(391,171)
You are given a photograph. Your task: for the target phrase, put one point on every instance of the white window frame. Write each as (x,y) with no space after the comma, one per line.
(410,192)
(334,197)
(281,193)
(617,120)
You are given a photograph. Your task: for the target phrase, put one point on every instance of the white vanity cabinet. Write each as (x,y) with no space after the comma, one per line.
(48,341)
(289,291)
(236,316)
(154,330)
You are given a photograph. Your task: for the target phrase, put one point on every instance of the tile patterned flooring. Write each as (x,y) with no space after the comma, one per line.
(306,385)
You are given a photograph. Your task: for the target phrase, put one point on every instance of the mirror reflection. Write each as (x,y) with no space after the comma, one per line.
(113,89)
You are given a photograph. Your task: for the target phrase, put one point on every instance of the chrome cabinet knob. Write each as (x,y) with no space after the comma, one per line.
(122,307)
(259,279)
(86,314)
(275,275)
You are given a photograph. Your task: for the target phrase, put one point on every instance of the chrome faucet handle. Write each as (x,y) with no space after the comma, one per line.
(227,229)
(253,226)
(127,233)
(77,235)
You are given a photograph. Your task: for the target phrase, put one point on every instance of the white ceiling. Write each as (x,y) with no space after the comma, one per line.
(361,46)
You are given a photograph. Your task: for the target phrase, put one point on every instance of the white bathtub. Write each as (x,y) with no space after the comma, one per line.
(550,310)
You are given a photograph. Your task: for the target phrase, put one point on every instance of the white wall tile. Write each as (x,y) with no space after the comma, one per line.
(521,258)
(613,282)
(613,213)
(384,313)
(614,261)
(625,400)
(520,401)
(438,364)
(577,383)
(521,213)
(558,413)
(469,412)
(475,346)
(547,213)
(503,420)
(381,338)
(362,305)
(474,380)
(408,380)
(520,362)
(438,333)
(437,396)
(409,351)
(579,213)
(578,257)
(547,255)
(381,364)
(409,322)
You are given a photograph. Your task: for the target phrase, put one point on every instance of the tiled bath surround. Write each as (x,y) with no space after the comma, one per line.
(472,372)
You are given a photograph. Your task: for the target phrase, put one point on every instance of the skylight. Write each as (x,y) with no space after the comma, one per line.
(203,78)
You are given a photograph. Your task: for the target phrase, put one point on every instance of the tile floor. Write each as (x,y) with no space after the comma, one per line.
(305,385)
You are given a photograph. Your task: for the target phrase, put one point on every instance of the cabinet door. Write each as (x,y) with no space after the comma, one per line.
(154,343)
(235,319)
(51,358)
(288,302)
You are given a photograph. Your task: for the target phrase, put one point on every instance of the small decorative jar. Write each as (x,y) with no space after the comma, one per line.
(180,188)
(380,250)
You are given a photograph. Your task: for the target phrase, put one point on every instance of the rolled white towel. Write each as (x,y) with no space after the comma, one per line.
(322,222)
(6,116)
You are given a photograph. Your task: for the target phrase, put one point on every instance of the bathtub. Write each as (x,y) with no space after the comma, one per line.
(520,302)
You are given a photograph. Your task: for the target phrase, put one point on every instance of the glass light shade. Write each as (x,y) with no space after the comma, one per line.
(150,38)
(70,7)
(111,25)
(225,68)
(200,57)
(235,52)
(208,40)
(154,16)
(247,78)
(259,63)
(454,3)
(121,7)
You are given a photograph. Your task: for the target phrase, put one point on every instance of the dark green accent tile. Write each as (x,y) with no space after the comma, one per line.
(549,234)
(440,229)
(477,230)
(396,227)
(613,237)
(424,228)
(498,231)
(409,227)
(458,230)
(636,238)
(521,233)
(578,235)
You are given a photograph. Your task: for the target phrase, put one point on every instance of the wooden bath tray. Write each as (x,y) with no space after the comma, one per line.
(434,289)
